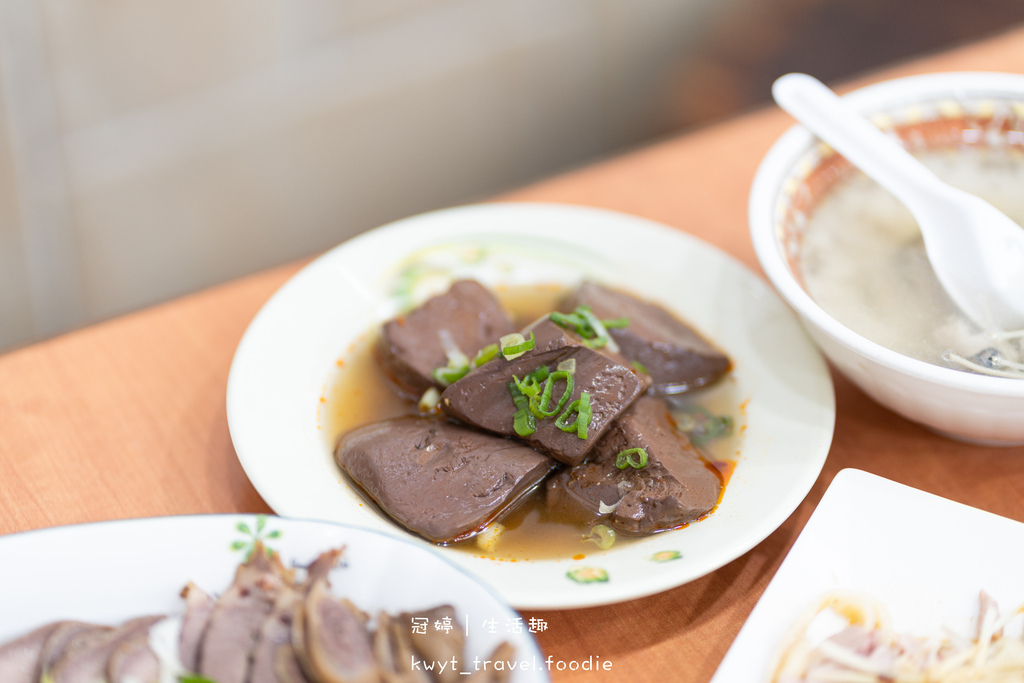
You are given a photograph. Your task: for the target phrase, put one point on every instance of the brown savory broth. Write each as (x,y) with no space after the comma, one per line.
(361,394)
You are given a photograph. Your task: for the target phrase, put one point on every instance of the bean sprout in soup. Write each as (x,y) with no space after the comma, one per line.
(863,261)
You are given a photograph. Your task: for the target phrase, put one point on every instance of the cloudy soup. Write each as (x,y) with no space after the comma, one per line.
(863,261)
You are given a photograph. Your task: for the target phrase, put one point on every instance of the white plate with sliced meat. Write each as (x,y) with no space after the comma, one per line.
(888,582)
(311,368)
(108,597)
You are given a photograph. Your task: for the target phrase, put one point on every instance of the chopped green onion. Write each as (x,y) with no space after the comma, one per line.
(588,575)
(449,374)
(562,421)
(568,365)
(539,404)
(569,321)
(527,387)
(594,331)
(195,679)
(601,337)
(515,345)
(429,400)
(509,340)
(485,354)
(540,374)
(456,358)
(523,421)
(631,457)
(458,363)
(530,386)
(640,366)
(581,407)
(583,421)
(603,536)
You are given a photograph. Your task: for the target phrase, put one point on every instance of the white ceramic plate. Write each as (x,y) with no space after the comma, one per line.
(924,558)
(111,571)
(288,356)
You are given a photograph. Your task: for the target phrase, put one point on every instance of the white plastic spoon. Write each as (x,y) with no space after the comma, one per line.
(977,252)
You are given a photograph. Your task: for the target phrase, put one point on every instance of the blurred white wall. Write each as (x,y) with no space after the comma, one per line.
(149,148)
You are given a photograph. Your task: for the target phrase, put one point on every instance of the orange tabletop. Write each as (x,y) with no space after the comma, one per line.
(127,418)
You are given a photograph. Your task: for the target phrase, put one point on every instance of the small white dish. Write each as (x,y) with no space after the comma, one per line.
(288,355)
(109,572)
(924,558)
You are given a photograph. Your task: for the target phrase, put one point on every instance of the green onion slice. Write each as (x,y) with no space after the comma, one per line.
(523,421)
(458,363)
(539,404)
(631,457)
(581,408)
(562,421)
(583,420)
(601,337)
(515,345)
(455,356)
(531,385)
(485,354)
(594,331)
(540,374)
(602,535)
(449,374)
(429,401)
(569,321)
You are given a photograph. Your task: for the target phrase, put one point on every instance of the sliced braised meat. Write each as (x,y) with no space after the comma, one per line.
(198,606)
(677,485)
(64,636)
(676,356)
(85,658)
(482,398)
(235,621)
(442,642)
(441,480)
(274,643)
(274,659)
(287,668)
(411,347)
(134,662)
(392,647)
(332,640)
(322,566)
(20,659)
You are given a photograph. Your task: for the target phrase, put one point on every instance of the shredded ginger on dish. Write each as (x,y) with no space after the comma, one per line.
(863,647)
